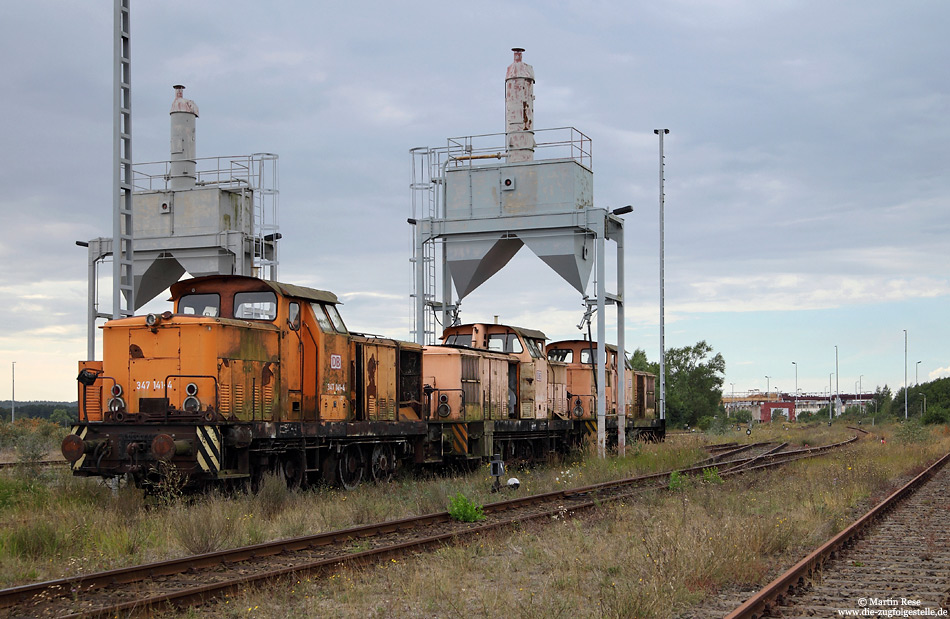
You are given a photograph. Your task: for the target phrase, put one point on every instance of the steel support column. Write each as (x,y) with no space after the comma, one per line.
(601,349)
(621,354)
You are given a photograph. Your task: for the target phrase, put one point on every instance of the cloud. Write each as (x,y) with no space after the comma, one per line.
(940,373)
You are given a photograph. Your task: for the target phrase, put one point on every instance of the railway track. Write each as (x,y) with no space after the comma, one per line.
(893,561)
(191,580)
(10,465)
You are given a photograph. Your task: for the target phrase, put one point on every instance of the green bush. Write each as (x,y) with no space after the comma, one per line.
(677,481)
(711,475)
(743,415)
(463,509)
(936,415)
(912,432)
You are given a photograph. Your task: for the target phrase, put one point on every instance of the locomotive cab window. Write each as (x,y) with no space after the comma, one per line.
(505,342)
(321,316)
(335,319)
(293,316)
(255,305)
(459,339)
(200,304)
(587,356)
(328,318)
(535,348)
(564,355)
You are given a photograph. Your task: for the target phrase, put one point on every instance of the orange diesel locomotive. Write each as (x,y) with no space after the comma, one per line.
(248,376)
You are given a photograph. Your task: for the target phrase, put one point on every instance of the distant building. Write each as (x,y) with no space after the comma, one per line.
(779,411)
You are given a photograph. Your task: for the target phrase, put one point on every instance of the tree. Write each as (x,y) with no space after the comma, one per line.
(639,361)
(881,401)
(62,416)
(694,382)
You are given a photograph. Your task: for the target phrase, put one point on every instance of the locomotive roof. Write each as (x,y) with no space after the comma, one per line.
(587,344)
(208,283)
(530,333)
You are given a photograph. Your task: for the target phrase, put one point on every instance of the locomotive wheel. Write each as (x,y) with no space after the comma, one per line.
(350,467)
(382,463)
(292,465)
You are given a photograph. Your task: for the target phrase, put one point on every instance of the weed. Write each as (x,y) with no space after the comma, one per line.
(206,527)
(273,495)
(166,484)
(463,509)
(677,481)
(711,475)
(36,539)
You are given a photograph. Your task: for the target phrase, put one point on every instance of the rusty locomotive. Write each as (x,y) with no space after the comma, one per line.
(248,376)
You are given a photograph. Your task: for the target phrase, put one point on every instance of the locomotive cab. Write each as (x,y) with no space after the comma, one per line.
(528,372)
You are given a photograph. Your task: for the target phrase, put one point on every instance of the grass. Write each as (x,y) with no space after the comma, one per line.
(650,558)
(656,556)
(54,525)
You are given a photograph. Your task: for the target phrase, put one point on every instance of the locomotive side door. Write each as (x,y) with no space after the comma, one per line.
(332,364)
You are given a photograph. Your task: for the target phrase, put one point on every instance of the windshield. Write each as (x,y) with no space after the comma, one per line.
(563,355)
(505,342)
(459,339)
(535,347)
(200,304)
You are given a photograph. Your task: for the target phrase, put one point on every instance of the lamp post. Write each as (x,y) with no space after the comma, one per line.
(917,374)
(830,374)
(733,398)
(13,393)
(905,374)
(661,133)
(861,390)
(837,376)
(796,381)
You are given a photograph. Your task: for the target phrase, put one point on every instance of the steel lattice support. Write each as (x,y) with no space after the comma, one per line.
(123,286)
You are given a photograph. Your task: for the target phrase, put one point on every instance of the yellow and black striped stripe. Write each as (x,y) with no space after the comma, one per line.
(81,433)
(460,438)
(209,448)
(590,426)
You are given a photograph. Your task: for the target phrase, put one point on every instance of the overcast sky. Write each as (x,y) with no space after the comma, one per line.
(807,162)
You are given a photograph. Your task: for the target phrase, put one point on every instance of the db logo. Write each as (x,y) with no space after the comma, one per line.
(336,362)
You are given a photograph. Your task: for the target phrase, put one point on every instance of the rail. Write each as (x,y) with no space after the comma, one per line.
(773,593)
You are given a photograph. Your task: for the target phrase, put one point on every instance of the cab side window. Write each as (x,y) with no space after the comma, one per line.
(293,316)
(255,305)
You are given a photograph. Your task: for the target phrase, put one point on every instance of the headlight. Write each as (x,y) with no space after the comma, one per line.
(444,409)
